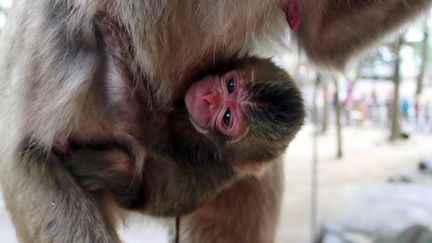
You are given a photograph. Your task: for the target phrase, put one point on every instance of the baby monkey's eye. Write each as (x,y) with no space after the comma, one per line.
(230,84)
(227,119)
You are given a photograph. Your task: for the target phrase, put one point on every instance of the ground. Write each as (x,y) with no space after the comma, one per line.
(353,191)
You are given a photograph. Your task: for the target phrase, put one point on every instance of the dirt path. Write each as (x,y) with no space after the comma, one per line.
(368,162)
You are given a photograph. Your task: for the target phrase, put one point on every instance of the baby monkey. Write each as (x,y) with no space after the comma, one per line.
(229,123)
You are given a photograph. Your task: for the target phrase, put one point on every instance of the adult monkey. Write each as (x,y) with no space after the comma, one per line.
(53,61)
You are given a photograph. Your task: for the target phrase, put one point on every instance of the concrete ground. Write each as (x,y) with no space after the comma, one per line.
(352,191)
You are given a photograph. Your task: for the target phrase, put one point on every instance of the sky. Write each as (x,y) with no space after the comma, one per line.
(6,3)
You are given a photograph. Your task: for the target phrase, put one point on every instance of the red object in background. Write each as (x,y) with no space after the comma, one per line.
(292,14)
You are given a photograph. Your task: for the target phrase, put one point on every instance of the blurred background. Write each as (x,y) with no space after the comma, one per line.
(360,171)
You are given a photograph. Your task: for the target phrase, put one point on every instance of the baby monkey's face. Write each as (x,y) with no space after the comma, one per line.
(217,103)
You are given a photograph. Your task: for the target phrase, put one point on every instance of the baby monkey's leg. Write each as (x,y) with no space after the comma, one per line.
(110,169)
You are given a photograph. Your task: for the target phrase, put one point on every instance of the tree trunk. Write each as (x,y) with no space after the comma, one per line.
(314,191)
(424,58)
(325,112)
(337,103)
(395,126)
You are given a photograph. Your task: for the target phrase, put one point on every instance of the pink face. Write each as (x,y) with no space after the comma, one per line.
(217,102)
